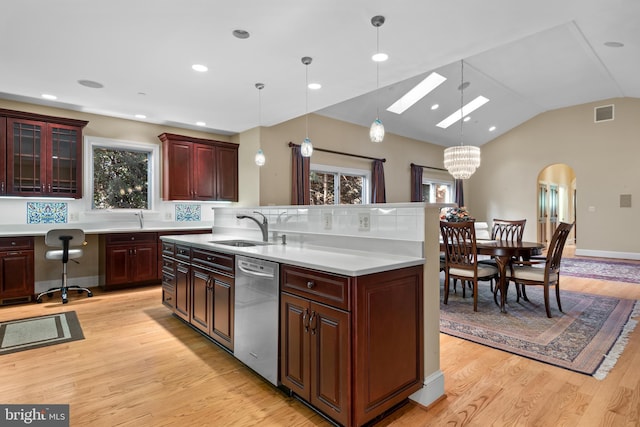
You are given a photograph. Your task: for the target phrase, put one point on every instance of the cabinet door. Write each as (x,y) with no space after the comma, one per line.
(204,165)
(26,157)
(177,173)
(118,268)
(144,262)
(223,306)
(227,174)
(64,166)
(182,297)
(3,155)
(294,344)
(16,274)
(201,310)
(330,352)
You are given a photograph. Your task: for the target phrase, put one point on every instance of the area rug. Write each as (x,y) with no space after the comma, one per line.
(588,337)
(35,332)
(616,271)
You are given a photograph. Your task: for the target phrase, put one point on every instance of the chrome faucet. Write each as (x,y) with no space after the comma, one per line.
(264,225)
(140,216)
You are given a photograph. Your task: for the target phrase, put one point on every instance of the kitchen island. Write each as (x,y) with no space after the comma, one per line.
(350,322)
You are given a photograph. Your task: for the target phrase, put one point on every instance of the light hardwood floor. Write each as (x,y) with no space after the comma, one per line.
(140,366)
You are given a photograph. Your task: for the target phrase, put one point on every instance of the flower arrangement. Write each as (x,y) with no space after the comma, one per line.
(460,214)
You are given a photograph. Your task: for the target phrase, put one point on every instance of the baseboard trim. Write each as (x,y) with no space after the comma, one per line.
(608,254)
(432,391)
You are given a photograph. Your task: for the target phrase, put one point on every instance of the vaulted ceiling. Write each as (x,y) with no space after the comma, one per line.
(525,57)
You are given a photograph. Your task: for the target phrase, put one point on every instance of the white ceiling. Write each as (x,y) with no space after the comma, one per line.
(526,58)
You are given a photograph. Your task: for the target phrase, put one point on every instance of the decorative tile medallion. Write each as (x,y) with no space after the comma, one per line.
(187,212)
(47,212)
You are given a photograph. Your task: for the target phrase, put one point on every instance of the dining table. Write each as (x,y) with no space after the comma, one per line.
(503,251)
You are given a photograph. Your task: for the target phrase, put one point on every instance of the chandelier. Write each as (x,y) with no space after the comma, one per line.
(462,161)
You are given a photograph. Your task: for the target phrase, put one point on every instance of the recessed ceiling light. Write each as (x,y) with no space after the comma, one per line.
(492,128)
(91,84)
(463,112)
(421,90)
(201,124)
(380,57)
(241,34)
(49,97)
(614,44)
(200,68)
(314,86)
(140,116)
(435,106)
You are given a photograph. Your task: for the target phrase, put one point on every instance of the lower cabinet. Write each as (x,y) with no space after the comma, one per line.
(351,346)
(128,259)
(16,270)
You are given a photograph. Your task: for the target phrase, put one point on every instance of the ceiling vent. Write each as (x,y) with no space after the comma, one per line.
(603,113)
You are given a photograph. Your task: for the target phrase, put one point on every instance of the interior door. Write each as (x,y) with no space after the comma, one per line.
(553,208)
(542,212)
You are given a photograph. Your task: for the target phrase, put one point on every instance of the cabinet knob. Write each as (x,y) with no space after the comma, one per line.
(133,238)
(13,243)
(310,284)
(210,258)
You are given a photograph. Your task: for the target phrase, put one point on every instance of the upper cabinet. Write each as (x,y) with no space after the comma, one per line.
(40,155)
(199,169)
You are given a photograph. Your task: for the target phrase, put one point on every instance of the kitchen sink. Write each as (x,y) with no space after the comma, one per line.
(239,243)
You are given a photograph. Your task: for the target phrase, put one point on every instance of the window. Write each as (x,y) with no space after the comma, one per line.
(437,191)
(331,185)
(120,174)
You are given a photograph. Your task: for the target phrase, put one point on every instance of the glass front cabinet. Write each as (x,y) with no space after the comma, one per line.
(42,155)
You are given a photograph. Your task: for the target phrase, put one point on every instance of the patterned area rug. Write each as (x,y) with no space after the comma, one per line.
(34,332)
(588,337)
(616,271)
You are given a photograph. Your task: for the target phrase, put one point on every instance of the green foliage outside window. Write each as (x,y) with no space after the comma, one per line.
(120,179)
(325,185)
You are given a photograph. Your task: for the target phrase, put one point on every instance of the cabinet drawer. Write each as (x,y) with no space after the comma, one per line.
(217,261)
(168,265)
(168,249)
(318,286)
(11,243)
(183,253)
(168,296)
(121,238)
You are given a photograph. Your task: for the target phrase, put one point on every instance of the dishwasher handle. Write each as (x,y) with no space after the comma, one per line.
(254,273)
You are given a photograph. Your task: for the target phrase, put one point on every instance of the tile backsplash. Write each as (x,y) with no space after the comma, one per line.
(47,212)
(188,212)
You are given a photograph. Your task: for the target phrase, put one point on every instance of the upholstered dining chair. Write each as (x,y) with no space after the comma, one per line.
(505,229)
(461,258)
(547,274)
(66,242)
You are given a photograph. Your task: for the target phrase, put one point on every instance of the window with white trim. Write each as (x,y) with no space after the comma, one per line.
(331,185)
(436,190)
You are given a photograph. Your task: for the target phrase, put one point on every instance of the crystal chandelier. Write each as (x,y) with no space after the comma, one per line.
(259,158)
(462,161)
(306,148)
(376,132)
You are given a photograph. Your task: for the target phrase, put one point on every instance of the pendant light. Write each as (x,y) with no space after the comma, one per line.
(306,148)
(259,159)
(462,161)
(376,132)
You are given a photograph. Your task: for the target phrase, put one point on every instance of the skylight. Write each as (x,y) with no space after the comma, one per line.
(466,110)
(421,90)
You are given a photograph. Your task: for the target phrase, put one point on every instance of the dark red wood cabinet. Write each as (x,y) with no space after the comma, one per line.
(198,169)
(41,155)
(16,270)
(351,346)
(128,259)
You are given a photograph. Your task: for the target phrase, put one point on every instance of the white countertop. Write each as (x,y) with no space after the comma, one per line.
(332,260)
(100,227)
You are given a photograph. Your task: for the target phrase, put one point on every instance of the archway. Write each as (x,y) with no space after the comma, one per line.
(556,200)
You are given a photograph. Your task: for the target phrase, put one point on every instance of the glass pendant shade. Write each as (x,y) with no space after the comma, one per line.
(306,148)
(260,159)
(376,133)
(462,161)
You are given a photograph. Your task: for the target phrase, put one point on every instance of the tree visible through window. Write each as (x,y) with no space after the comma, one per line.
(120,179)
(338,187)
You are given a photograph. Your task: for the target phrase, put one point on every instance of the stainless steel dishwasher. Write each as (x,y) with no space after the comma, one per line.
(256,316)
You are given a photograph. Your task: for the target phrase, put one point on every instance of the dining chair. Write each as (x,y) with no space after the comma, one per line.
(525,273)
(461,258)
(508,230)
